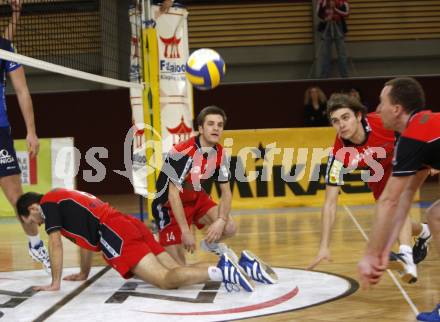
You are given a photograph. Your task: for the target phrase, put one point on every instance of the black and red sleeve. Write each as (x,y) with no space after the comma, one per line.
(177,166)
(408,156)
(52,220)
(334,174)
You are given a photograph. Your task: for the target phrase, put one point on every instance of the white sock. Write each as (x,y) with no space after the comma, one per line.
(34,240)
(425,231)
(215,274)
(405,249)
(211,246)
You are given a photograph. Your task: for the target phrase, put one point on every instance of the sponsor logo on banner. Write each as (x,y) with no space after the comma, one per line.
(285,168)
(172,62)
(54,166)
(171,67)
(264,171)
(171,47)
(28,168)
(108,297)
(180,133)
(138,137)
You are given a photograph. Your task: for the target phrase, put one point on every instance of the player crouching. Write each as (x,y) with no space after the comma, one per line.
(126,244)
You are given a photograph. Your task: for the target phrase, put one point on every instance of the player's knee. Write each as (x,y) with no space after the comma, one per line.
(230,229)
(177,253)
(168,282)
(430,219)
(166,285)
(433,214)
(433,217)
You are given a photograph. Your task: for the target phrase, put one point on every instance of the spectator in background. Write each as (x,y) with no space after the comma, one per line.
(11,28)
(354,93)
(332,26)
(166,5)
(315,106)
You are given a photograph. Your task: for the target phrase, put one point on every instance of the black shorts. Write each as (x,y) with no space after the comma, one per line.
(8,158)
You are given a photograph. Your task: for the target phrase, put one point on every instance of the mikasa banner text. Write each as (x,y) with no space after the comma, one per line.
(286,168)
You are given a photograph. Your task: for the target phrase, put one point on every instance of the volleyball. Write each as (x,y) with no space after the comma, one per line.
(205,69)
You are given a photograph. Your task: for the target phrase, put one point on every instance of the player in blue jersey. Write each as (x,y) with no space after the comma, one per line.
(10,180)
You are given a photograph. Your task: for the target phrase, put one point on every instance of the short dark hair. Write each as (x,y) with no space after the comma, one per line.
(208,110)
(27,199)
(407,92)
(339,100)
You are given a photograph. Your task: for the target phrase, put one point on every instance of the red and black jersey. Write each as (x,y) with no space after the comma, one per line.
(78,215)
(419,145)
(187,166)
(346,156)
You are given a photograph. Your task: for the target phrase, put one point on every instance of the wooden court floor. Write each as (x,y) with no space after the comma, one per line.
(289,237)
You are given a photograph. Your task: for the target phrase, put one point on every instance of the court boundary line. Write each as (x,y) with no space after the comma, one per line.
(61,303)
(353,287)
(393,277)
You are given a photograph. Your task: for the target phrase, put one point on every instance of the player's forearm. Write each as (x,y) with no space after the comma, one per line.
(224,208)
(321,14)
(27,111)
(383,226)
(328,214)
(343,9)
(404,206)
(402,210)
(86,261)
(328,217)
(56,260)
(342,12)
(11,29)
(178,211)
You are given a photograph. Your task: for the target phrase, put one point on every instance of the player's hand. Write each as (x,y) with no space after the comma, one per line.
(33,144)
(15,5)
(189,242)
(76,277)
(51,287)
(323,255)
(433,172)
(166,5)
(215,231)
(370,270)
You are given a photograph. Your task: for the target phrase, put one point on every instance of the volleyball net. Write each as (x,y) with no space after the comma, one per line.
(69,45)
(89,35)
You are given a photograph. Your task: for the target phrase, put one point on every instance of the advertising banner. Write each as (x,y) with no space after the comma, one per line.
(176,104)
(284,168)
(54,167)
(139,107)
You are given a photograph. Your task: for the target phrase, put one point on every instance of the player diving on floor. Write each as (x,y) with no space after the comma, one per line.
(126,244)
